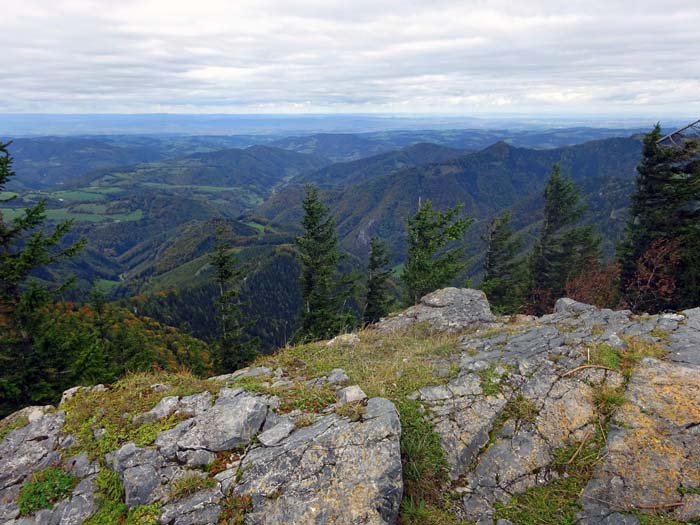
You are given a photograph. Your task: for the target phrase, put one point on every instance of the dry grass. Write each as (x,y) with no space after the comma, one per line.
(114,408)
(389,365)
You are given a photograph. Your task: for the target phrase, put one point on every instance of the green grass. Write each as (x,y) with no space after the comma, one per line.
(105,284)
(490,381)
(607,356)
(109,485)
(425,469)
(188,485)
(44,488)
(109,513)
(607,399)
(12,423)
(131,395)
(625,359)
(112,509)
(556,503)
(143,515)
(422,513)
(259,227)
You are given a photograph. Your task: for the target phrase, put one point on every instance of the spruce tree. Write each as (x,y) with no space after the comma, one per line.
(236,346)
(26,244)
(429,264)
(664,211)
(504,275)
(325,295)
(378,298)
(563,250)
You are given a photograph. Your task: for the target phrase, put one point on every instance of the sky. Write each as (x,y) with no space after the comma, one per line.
(468,57)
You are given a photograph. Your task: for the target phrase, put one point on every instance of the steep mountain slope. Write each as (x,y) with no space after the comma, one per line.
(485,183)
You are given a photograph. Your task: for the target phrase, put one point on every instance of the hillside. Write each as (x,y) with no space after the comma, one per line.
(358,171)
(52,162)
(582,416)
(485,183)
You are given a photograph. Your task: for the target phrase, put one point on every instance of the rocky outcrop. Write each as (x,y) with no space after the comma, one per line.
(518,403)
(333,471)
(449,309)
(525,391)
(653,449)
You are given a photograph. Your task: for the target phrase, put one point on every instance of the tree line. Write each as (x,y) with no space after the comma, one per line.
(656,267)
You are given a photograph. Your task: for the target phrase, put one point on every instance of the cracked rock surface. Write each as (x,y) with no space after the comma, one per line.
(524,391)
(332,471)
(515,394)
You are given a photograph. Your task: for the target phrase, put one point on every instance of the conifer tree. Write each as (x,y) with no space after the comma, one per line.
(25,245)
(563,250)
(664,212)
(236,346)
(378,272)
(430,265)
(325,295)
(504,280)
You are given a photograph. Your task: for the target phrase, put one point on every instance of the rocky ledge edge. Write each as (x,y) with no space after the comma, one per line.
(527,398)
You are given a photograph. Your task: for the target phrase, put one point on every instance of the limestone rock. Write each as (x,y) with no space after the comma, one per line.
(449,309)
(338,376)
(334,471)
(653,449)
(344,340)
(277,433)
(351,394)
(232,421)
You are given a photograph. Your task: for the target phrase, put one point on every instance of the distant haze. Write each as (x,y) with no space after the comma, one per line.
(475,57)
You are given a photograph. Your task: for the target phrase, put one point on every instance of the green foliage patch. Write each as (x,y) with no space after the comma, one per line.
(44,488)
(10,424)
(132,395)
(556,503)
(189,484)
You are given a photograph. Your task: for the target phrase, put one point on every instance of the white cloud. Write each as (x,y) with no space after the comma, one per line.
(451,56)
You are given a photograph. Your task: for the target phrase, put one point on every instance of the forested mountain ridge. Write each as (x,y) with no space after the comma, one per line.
(51,162)
(358,171)
(150,227)
(485,182)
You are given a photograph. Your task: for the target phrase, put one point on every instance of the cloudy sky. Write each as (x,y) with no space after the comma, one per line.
(626,57)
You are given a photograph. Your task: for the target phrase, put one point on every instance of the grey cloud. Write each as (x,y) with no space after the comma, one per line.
(626,56)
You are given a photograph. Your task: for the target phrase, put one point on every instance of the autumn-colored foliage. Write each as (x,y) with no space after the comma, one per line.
(598,284)
(653,283)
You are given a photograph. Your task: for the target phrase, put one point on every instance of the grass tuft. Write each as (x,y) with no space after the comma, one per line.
(44,488)
(114,408)
(353,411)
(189,484)
(607,399)
(234,509)
(425,468)
(12,423)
